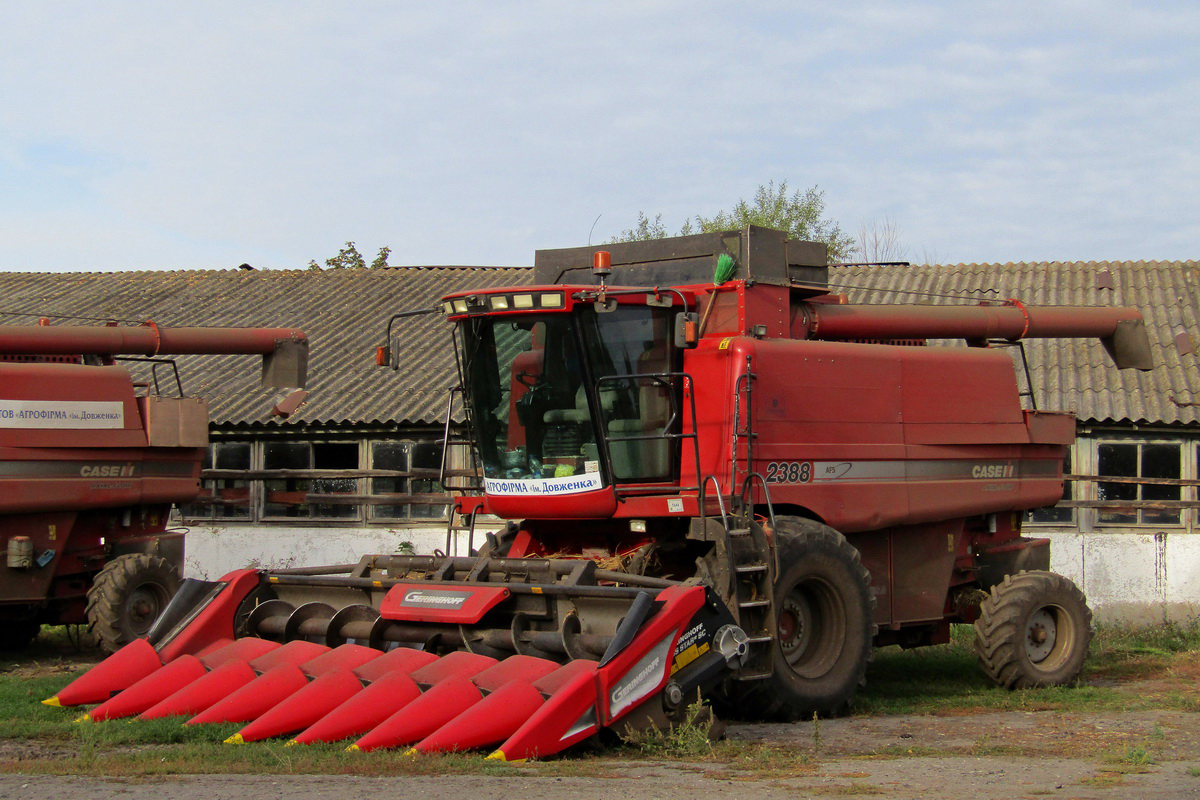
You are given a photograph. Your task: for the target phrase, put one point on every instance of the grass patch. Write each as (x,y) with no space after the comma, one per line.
(261,758)
(692,741)
(1135,755)
(1124,653)
(946,679)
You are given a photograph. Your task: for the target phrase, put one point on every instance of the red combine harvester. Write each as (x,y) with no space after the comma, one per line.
(91,462)
(722,482)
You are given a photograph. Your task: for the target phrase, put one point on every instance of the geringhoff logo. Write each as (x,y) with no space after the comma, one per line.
(621,692)
(642,678)
(424,597)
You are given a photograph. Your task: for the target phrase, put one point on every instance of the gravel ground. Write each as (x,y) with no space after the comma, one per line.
(972,757)
(1132,755)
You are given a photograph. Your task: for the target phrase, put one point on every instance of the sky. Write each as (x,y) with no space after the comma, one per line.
(171,135)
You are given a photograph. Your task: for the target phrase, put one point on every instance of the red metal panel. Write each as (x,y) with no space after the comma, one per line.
(643,667)
(150,690)
(214,621)
(454,603)
(1050,428)
(344,657)
(875,549)
(922,558)
(523,669)
(363,711)
(459,663)
(947,385)
(598,504)
(119,671)
(488,722)
(67,389)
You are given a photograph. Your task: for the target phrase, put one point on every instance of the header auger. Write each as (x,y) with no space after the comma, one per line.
(721,481)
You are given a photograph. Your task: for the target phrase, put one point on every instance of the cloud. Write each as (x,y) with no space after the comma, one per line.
(169,136)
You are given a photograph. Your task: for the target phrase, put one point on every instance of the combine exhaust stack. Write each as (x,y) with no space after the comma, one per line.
(722,483)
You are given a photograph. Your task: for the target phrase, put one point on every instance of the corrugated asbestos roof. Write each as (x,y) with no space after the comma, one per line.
(345,312)
(1072,374)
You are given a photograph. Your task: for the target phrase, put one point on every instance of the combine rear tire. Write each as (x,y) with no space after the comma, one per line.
(1033,630)
(127,596)
(825,626)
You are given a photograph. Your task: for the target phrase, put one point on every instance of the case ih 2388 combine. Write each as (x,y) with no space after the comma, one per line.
(722,481)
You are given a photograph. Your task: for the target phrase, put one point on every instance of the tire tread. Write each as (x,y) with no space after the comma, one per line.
(110,588)
(998,631)
(767,699)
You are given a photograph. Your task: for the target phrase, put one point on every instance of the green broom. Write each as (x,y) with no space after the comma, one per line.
(726,266)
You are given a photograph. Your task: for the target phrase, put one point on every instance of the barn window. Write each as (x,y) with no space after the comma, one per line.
(1146,470)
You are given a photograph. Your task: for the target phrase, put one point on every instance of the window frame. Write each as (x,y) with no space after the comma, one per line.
(1181,446)
(364,513)
(310,516)
(373,509)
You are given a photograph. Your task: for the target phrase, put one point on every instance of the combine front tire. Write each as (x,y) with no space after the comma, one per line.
(127,596)
(1033,630)
(825,626)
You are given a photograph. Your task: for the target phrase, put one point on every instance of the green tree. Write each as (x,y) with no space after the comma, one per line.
(380,261)
(348,257)
(800,214)
(646,228)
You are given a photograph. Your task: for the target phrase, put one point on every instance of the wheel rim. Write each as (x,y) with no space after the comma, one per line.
(812,628)
(144,605)
(1048,637)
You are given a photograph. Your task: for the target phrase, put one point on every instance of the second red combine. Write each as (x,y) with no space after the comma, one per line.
(97,441)
(723,483)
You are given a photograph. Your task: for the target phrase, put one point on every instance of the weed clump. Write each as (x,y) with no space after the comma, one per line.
(688,739)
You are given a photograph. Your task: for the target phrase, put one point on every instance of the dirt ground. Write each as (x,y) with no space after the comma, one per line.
(975,757)
(1133,755)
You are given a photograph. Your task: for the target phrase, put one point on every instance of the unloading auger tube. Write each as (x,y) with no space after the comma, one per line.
(1122,331)
(531,668)
(284,350)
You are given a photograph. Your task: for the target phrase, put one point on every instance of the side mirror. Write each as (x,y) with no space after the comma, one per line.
(687,332)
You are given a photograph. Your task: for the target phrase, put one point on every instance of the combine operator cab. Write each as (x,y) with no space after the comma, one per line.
(570,406)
